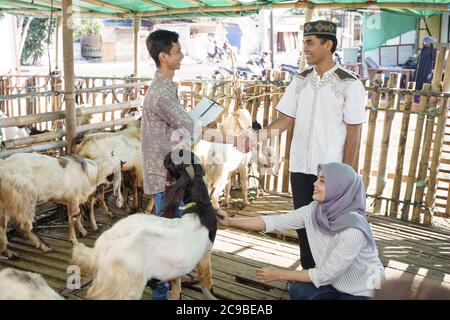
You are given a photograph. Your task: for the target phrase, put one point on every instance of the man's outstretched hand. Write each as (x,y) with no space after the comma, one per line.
(247,141)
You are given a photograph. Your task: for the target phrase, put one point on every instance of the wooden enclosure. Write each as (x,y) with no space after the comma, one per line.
(404,157)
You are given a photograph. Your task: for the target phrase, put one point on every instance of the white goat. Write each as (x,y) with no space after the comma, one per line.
(222,160)
(143,247)
(26,179)
(23,285)
(8,133)
(126,145)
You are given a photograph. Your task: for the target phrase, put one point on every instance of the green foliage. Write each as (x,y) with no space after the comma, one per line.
(86,27)
(36,41)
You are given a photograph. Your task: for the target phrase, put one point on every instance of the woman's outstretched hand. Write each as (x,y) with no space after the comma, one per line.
(268,274)
(224,218)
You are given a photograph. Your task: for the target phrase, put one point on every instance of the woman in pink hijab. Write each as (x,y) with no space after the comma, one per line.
(342,244)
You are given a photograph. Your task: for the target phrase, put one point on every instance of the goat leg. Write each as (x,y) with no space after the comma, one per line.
(204,275)
(135,194)
(175,293)
(126,195)
(92,220)
(72,211)
(101,200)
(227,193)
(27,232)
(79,226)
(244,181)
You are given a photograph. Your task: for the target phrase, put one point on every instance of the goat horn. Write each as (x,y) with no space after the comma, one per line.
(190,171)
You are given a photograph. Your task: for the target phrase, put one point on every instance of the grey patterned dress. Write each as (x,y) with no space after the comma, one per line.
(162,115)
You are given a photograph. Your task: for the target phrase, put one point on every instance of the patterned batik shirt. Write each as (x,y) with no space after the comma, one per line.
(162,119)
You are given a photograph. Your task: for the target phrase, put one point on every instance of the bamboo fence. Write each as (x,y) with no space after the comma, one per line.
(404,156)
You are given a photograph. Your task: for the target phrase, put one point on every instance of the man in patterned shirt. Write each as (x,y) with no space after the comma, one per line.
(326,106)
(164,119)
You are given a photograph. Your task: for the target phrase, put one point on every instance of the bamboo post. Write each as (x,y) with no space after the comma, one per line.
(373,114)
(266,114)
(277,138)
(69,73)
(401,152)
(56,87)
(256,102)
(137,46)
(198,89)
(435,161)
(104,96)
(285,183)
(415,152)
(87,94)
(227,91)
(426,147)
(394,82)
(28,100)
(58,41)
(423,167)
(250,91)
(2,92)
(37,102)
(308,16)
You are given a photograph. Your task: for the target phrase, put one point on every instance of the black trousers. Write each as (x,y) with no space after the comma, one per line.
(302,192)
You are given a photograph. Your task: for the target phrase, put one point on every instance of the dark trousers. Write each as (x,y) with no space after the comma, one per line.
(307,291)
(302,192)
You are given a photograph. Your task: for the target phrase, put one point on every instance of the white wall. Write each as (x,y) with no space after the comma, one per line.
(8,58)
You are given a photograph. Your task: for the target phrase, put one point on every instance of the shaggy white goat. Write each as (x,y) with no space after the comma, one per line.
(125,145)
(142,247)
(27,178)
(23,285)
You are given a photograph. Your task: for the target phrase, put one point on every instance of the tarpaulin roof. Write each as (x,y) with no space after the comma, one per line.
(198,8)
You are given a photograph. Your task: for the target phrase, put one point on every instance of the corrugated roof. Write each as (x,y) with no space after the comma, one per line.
(196,8)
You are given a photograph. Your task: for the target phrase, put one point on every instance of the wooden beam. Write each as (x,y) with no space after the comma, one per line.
(196,2)
(58,41)
(106,5)
(308,16)
(157,4)
(26,5)
(241,8)
(69,81)
(298,5)
(56,12)
(137,46)
(57,5)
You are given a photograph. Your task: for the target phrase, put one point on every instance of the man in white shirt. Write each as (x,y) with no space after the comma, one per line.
(326,106)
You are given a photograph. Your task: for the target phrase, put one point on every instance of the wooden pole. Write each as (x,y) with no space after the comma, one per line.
(423,167)
(256,102)
(401,152)
(308,16)
(415,153)
(394,82)
(56,115)
(69,74)
(58,41)
(276,141)
(375,101)
(438,142)
(137,46)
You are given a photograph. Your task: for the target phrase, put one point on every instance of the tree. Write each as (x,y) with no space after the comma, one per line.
(35,32)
